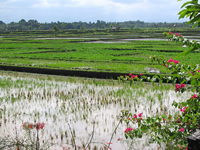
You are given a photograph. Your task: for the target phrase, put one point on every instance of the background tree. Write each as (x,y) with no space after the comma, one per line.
(56,29)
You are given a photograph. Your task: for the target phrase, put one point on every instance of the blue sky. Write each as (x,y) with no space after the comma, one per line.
(90,10)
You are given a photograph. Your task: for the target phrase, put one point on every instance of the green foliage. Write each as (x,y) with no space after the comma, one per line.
(34,25)
(191,10)
(166,129)
(82,54)
(192,44)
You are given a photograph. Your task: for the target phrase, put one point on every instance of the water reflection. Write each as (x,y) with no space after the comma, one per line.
(82,105)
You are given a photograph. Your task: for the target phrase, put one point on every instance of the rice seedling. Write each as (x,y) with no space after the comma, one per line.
(78,101)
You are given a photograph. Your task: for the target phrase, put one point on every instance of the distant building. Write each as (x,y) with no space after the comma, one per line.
(115,28)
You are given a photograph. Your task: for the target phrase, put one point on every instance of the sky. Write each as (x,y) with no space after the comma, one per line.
(90,10)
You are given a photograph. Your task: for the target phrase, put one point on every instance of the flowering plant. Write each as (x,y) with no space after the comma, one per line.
(170,131)
(37,126)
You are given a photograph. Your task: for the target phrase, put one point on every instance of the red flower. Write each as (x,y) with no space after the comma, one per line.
(141,74)
(178,121)
(128,130)
(183,109)
(192,73)
(170,60)
(37,126)
(177,87)
(135,116)
(182,85)
(176,61)
(133,76)
(140,114)
(130,74)
(195,96)
(108,143)
(181,130)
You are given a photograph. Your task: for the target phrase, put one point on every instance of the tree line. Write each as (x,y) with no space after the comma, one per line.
(24,25)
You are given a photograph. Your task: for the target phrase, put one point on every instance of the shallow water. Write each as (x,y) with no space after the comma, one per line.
(77,105)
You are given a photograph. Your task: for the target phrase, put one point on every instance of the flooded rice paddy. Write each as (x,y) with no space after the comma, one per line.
(84,105)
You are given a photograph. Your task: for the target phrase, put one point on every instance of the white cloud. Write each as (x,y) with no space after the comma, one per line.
(46,4)
(90,10)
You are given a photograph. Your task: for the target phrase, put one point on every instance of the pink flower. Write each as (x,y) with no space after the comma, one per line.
(182,86)
(171,33)
(118,139)
(180,35)
(130,74)
(176,61)
(140,114)
(178,120)
(177,87)
(170,60)
(109,143)
(133,76)
(128,130)
(198,70)
(166,66)
(183,109)
(141,74)
(177,34)
(195,96)
(135,116)
(182,129)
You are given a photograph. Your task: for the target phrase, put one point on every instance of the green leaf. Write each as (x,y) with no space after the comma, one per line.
(190,2)
(185,53)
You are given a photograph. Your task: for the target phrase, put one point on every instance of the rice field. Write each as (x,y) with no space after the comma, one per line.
(80,106)
(117,52)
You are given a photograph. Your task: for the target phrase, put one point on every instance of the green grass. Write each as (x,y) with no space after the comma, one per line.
(73,54)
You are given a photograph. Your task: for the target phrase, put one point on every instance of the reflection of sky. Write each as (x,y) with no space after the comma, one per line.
(90,10)
(59,103)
